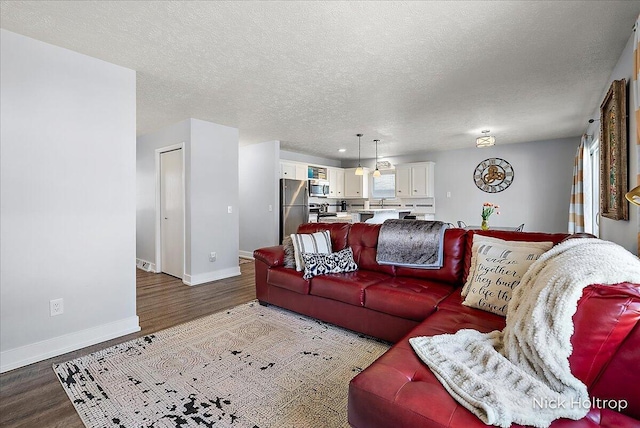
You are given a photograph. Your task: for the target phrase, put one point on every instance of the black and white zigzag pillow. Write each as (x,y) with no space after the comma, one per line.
(321,264)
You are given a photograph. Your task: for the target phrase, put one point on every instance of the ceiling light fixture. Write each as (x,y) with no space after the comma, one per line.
(359,170)
(486,140)
(342,150)
(376,173)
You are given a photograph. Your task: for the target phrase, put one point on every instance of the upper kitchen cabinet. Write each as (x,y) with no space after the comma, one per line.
(336,183)
(356,186)
(294,170)
(415,180)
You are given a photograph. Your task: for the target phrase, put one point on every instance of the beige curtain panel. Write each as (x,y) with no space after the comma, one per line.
(635,88)
(577,216)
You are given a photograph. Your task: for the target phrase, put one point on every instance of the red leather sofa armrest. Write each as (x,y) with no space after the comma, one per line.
(271,256)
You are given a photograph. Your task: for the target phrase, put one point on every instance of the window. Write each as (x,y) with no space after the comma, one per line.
(384,186)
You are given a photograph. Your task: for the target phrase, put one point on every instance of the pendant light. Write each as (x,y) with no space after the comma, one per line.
(486,140)
(376,173)
(359,170)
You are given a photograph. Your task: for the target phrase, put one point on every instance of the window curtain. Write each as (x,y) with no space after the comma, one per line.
(580,205)
(635,88)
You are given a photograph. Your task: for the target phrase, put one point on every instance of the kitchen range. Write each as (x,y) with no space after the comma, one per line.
(320,212)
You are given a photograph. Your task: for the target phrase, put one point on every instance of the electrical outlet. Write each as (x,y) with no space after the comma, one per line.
(212,256)
(56,307)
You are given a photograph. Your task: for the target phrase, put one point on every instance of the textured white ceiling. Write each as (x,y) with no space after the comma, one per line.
(416,75)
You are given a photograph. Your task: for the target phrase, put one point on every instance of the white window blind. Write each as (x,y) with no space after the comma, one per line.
(384,186)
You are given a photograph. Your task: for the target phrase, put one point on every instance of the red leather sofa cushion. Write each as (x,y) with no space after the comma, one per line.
(621,377)
(507,236)
(271,256)
(467,316)
(338,232)
(605,316)
(363,240)
(621,380)
(455,241)
(347,287)
(289,279)
(399,387)
(410,298)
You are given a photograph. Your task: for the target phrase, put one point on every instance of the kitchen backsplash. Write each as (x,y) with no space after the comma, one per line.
(426,205)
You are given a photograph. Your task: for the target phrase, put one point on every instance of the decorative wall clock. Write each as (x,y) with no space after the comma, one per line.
(493,175)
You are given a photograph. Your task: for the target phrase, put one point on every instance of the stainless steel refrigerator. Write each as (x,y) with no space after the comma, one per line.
(294,205)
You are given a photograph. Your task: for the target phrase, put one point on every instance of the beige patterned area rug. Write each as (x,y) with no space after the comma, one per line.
(250,366)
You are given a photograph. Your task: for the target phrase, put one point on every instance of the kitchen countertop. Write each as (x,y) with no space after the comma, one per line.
(379,210)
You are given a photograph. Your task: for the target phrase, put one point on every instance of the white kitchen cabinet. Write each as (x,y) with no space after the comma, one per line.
(415,180)
(403,181)
(302,172)
(294,170)
(336,183)
(356,186)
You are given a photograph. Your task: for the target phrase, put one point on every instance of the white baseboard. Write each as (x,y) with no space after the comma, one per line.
(246,254)
(34,352)
(211,276)
(145,265)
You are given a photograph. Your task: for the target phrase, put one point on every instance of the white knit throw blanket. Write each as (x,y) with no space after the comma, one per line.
(521,374)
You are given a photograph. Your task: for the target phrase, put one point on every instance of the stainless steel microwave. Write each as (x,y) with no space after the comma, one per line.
(319,188)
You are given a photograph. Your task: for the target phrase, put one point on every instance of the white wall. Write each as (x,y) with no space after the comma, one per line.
(146,185)
(211,186)
(259,167)
(67,187)
(259,170)
(312,160)
(622,232)
(539,195)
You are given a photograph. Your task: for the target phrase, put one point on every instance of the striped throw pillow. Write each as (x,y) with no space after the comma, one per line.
(319,243)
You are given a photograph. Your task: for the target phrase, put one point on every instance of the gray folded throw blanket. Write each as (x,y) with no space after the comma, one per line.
(411,243)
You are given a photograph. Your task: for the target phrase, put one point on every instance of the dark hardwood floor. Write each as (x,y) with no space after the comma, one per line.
(31,396)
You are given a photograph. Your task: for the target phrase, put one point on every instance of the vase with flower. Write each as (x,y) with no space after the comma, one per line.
(487,209)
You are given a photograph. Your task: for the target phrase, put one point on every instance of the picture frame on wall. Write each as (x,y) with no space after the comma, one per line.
(613,152)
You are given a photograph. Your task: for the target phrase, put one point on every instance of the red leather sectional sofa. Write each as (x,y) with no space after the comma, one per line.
(396,303)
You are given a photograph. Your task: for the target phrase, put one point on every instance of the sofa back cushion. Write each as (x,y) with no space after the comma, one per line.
(606,343)
(507,236)
(338,232)
(363,240)
(453,263)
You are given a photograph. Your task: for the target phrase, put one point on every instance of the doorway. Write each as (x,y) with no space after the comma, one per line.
(170,224)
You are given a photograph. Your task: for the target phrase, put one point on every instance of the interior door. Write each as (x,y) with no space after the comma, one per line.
(172,213)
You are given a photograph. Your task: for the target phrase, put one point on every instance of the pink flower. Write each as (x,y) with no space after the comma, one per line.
(487,209)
